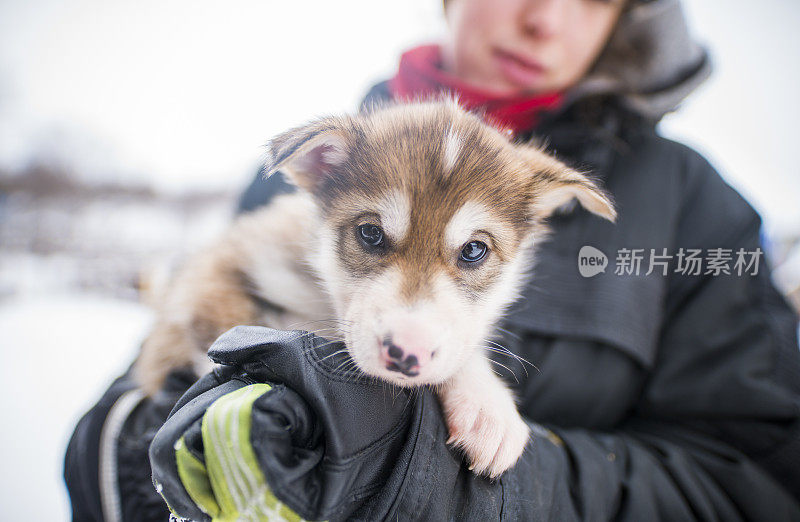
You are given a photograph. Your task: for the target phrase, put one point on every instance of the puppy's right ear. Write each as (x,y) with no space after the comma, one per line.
(310,153)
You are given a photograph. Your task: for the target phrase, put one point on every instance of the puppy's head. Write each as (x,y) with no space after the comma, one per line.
(428,216)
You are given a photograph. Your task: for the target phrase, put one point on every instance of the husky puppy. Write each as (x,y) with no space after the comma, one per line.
(412,228)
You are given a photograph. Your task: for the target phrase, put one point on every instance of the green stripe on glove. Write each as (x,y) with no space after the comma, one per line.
(230,486)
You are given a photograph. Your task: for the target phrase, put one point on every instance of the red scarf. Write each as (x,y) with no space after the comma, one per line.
(420,75)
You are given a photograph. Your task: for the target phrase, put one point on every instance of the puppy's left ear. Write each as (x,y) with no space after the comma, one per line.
(555,184)
(310,153)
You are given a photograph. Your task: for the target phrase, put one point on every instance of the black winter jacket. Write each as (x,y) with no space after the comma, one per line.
(655,397)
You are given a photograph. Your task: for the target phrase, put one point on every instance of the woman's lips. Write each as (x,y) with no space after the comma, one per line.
(517,69)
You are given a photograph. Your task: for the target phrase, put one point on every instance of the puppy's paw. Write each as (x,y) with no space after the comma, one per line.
(485,424)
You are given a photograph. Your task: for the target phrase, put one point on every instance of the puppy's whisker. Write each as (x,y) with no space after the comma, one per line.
(350,370)
(304,327)
(344,350)
(339,368)
(504,366)
(324,345)
(411,396)
(494,343)
(315,331)
(502,349)
(510,333)
(326,320)
(329,333)
(511,355)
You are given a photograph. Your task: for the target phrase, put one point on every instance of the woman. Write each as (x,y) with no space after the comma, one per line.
(671,394)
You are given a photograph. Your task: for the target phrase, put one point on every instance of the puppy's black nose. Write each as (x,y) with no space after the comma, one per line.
(395,352)
(398,362)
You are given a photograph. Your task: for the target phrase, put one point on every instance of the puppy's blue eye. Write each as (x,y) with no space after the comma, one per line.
(371,235)
(474,251)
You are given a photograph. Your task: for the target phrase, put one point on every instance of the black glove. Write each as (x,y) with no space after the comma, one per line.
(315,441)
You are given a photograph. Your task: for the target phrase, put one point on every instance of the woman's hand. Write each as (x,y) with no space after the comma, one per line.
(284,429)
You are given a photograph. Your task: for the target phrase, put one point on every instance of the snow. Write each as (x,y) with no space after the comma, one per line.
(71,263)
(60,351)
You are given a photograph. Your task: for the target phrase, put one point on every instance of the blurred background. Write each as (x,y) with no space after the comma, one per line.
(128,129)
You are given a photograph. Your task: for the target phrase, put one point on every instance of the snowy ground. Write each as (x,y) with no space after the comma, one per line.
(70,316)
(60,353)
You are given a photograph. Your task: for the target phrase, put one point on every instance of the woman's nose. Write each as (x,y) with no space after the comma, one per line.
(544,18)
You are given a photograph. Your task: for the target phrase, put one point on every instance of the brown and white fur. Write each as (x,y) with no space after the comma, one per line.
(411,311)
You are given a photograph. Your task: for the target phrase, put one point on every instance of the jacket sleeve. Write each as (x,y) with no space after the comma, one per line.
(106,470)
(261,190)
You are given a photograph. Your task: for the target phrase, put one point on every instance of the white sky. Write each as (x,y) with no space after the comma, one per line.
(184,93)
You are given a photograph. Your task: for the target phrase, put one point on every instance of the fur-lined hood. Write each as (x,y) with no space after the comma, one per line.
(651,61)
